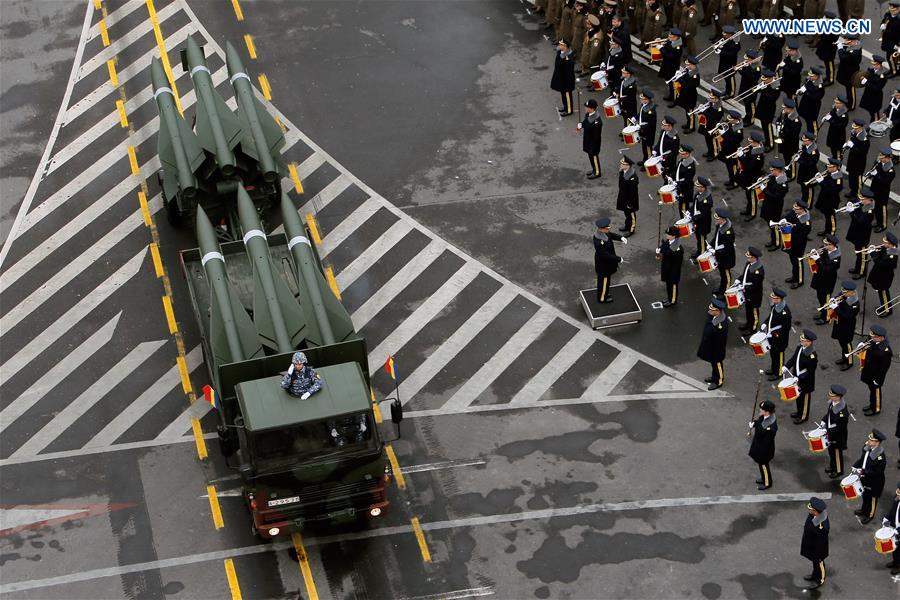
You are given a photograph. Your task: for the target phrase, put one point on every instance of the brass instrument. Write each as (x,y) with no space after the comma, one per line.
(759,182)
(882,310)
(755,89)
(780,223)
(701,108)
(678,74)
(832,304)
(716,48)
(813,254)
(818,177)
(656,42)
(848,208)
(861,347)
(740,150)
(870,249)
(733,70)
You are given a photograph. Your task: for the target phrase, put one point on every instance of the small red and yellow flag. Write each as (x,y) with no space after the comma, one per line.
(389,367)
(209,394)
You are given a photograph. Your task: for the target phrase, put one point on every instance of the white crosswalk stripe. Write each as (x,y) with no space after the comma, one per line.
(115,16)
(372,254)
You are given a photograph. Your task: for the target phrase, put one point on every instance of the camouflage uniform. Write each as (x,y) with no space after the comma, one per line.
(654,23)
(728,15)
(297,381)
(579,25)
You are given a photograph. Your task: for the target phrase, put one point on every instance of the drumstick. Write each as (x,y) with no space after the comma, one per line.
(755,400)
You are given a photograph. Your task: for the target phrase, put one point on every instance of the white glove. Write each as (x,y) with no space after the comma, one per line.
(763,327)
(653,152)
(827,117)
(740,152)
(802,89)
(883,27)
(822,424)
(750,424)
(885,522)
(863,81)
(305,396)
(625,240)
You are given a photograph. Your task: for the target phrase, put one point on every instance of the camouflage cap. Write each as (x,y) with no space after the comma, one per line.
(298,358)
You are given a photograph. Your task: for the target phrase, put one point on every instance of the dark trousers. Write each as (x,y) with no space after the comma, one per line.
(774,236)
(862,261)
(818,571)
(769,132)
(752,315)
(806,192)
(603,283)
(765,475)
(875,397)
(594,159)
(881,213)
(718,372)
(749,111)
(835,459)
(751,202)
(869,503)
(689,119)
(822,297)
(829,73)
(566,107)
(701,242)
(724,280)
(854,181)
(851,96)
(830,222)
(646,148)
(672,292)
(729,82)
(812,125)
(802,403)
(796,269)
(777,357)
(630,220)
(846,348)
(884,296)
(710,150)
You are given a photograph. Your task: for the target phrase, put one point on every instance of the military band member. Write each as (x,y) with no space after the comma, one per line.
(683,177)
(777,328)
(789,128)
(701,213)
(890,36)
(807,166)
(830,186)
(765,106)
(873,87)
(810,103)
(730,143)
(892,113)
(881,174)
(849,59)
(814,544)
(762,446)
(592,132)
(791,71)
(857,148)
(712,116)
(687,98)
(750,74)
(826,50)
(627,200)
(860,231)
(606,263)
(722,246)
(671,255)
(615,60)
(667,145)
(837,119)
(875,370)
(671,59)
(803,364)
(646,120)
(713,343)
(627,94)
(728,58)
(825,276)
(751,281)
(870,468)
(563,80)
(798,217)
(751,162)
(835,424)
(843,315)
(884,263)
(772,48)
(590,49)
(775,190)
(892,520)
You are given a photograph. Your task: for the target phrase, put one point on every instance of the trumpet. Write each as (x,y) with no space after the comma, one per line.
(759,182)
(832,304)
(701,108)
(817,178)
(729,72)
(656,42)
(861,347)
(718,129)
(740,151)
(813,254)
(678,74)
(848,208)
(870,249)
(884,308)
(780,223)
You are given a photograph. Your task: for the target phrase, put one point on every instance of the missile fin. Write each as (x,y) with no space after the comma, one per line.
(273,133)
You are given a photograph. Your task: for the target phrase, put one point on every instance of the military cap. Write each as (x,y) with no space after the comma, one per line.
(754,251)
(788,103)
(777,291)
(733,114)
(687,148)
(693,60)
(776,163)
(722,213)
(816,70)
(885,150)
(610,2)
(859,122)
(866,192)
(842,98)
(832,239)
(591,103)
(878,330)
(669,120)
(593,20)
(648,93)
(704,181)
(564,41)
(752,53)
(834,161)
(627,68)
(580,1)
(627,159)
(894,3)
(897,90)
(767,405)
(889,236)
(672,230)
(757,136)
(838,390)
(716,303)
(817,504)
(793,44)
(716,92)
(298,358)
(767,72)
(675,31)
(728,29)
(848,285)
(877,58)
(808,334)
(877,436)
(809,135)
(801,203)
(602,222)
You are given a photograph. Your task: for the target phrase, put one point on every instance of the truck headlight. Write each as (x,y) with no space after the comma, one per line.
(274,531)
(375,511)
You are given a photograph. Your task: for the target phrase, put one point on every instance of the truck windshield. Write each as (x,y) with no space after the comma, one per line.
(310,439)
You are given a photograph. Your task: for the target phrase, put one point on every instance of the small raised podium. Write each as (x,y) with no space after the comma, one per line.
(623,310)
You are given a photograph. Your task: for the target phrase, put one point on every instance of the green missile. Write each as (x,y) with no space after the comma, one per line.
(278,317)
(266,138)
(179,151)
(217,128)
(232,336)
(332,322)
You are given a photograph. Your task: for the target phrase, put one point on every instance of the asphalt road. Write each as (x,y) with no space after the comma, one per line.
(616,476)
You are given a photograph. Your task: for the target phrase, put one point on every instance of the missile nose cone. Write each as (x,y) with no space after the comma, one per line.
(233,60)
(206,235)
(246,210)
(194,53)
(157,75)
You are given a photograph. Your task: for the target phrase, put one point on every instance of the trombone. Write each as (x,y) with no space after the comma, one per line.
(869,249)
(717,46)
(884,308)
(657,42)
(861,347)
(756,88)
(848,208)
(733,70)
(818,177)
(739,151)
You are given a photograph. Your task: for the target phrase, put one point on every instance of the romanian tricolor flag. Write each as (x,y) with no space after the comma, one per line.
(389,367)
(209,394)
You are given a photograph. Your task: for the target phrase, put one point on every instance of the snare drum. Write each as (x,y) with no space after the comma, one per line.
(668,193)
(599,80)
(816,440)
(759,343)
(707,262)
(632,135)
(879,129)
(685,227)
(734,297)
(611,108)
(652,166)
(884,540)
(655,54)
(895,151)
(788,389)
(786,236)
(851,486)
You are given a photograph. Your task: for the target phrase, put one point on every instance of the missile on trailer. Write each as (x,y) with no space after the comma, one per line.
(179,150)
(232,336)
(218,130)
(263,137)
(278,317)
(332,322)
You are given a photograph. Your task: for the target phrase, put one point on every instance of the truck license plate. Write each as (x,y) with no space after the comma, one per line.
(282,501)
